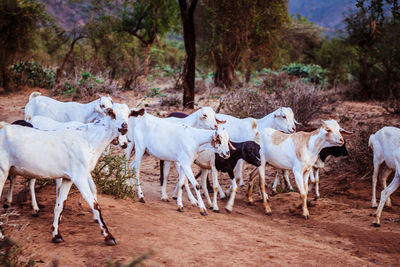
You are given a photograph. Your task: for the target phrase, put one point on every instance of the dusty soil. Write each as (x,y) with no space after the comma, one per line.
(339,230)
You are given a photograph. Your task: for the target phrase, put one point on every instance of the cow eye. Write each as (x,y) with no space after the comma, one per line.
(328,130)
(205,116)
(284,116)
(102,106)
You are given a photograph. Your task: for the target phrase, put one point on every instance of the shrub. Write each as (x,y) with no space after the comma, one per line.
(171,100)
(82,87)
(304,98)
(309,73)
(114,180)
(33,74)
(360,154)
(277,90)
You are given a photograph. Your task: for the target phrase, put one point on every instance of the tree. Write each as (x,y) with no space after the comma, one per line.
(236,34)
(189,36)
(18,28)
(147,19)
(374,29)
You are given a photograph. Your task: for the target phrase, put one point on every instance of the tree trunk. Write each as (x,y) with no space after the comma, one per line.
(67,56)
(248,75)
(224,74)
(189,36)
(4,73)
(146,59)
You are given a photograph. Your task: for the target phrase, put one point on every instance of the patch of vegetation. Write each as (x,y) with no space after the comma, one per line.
(309,73)
(277,90)
(111,175)
(171,100)
(134,262)
(9,252)
(33,74)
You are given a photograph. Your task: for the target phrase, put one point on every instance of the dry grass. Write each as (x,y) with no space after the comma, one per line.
(277,90)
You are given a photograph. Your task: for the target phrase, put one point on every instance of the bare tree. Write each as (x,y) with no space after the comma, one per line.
(189,68)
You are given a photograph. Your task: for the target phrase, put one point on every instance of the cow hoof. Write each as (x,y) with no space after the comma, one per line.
(306,217)
(210,207)
(57,239)
(268,213)
(110,241)
(223,198)
(273,193)
(165,199)
(6,206)
(376,224)
(316,197)
(291,190)
(35,213)
(228,210)
(203,212)
(142,200)
(95,220)
(180,209)
(216,211)
(194,204)
(250,203)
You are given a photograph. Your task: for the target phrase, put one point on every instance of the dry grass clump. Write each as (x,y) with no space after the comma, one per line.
(243,103)
(110,176)
(360,154)
(392,106)
(173,100)
(277,90)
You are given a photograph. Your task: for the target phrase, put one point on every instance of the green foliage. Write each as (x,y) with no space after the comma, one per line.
(88,80)
(149,18)
(19,20)
(309,73)
(337,57)
(155,92)
(374,31)
(83,88)
(300,40)
(239,35)
(33,74)
(114,180)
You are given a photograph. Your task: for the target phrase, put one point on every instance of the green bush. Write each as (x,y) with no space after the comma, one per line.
(309,73)
(33,74)
(87,86)
(113,180)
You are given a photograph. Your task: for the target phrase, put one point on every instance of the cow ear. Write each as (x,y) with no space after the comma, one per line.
(110,112)
(138,113)
(219,122)
(345,132)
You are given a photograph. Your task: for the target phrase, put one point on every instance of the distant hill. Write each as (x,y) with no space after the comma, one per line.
(326,13)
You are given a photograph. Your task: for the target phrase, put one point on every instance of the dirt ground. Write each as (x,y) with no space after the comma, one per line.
(339,230)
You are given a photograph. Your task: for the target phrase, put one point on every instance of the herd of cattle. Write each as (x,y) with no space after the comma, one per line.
(64,140)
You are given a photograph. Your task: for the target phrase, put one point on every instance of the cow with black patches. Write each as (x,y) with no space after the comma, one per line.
(335,151)
(175,143)
(296,152)
(249,151)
